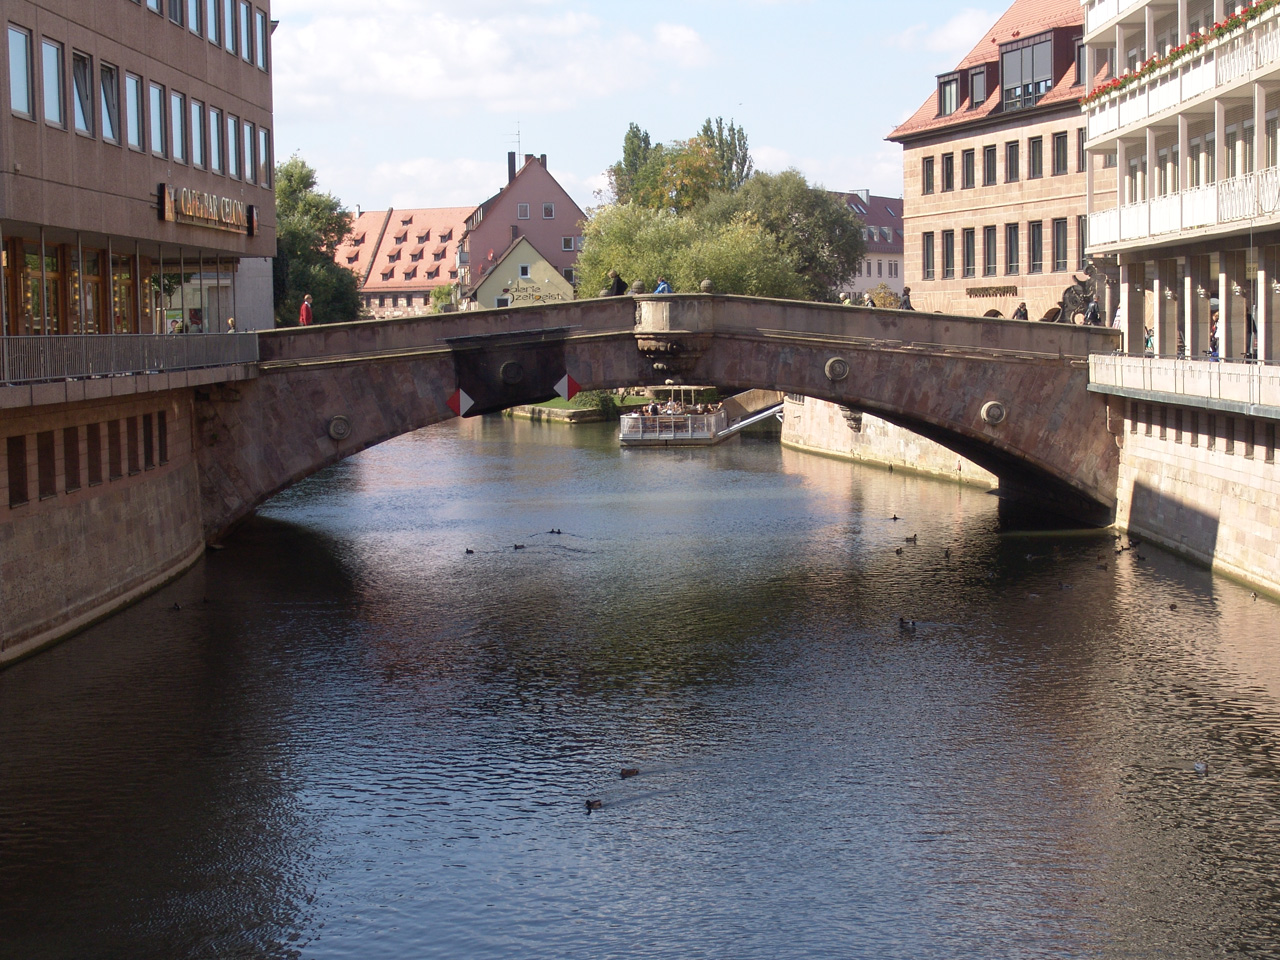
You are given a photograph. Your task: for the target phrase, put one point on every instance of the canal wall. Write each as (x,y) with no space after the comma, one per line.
(101,501)
(1204,485)
(817,426)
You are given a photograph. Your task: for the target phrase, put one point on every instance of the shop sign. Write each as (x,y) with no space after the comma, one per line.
(983,292)
(202,209)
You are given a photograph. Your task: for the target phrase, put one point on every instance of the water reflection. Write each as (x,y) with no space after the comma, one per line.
(372,743)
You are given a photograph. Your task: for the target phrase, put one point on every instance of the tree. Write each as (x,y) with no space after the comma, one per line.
(729,144)
(643,244)
(309,227)
(677,177)
(814,226)
(635,154)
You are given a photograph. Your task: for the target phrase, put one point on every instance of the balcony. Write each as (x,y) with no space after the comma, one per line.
(1251,197)
(1100,12)
(1217,64)
(1245,387)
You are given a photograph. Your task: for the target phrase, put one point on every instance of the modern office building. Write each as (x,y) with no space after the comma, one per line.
(994,169)
(1185,107)
(136,163)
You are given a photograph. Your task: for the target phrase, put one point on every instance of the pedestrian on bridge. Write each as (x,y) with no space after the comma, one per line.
(663,286)
(617,286)
(905,302)
(305,316)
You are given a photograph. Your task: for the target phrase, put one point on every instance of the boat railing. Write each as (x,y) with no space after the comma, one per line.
(690,426)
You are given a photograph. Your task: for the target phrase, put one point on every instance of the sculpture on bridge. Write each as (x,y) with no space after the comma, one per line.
(1075,299)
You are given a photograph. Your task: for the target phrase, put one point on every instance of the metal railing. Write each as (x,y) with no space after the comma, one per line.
(1234,380)
(673,426)
(40,359)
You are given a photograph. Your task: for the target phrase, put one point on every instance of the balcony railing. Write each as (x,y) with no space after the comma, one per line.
(1240,382)
(1216,64)
(42,359)
(1253,196)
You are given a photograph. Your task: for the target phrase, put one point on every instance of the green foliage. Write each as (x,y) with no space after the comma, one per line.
(635,154)
(677,177)
(883,296)
(729,144)
(441,295)
(603,400)
(815,227)
(309,227)
(642,244)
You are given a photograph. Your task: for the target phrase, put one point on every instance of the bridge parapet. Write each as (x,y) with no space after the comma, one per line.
(716,314)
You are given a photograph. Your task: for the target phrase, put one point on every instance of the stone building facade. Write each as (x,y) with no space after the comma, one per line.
(137,154)
(994,170)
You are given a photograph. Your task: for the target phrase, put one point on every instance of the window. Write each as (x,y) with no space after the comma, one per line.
(1082,158)
(926,257)
(1026,73)
(1011,150)
(1060,245)
(926,175)
(157,119)
(1035,251)
(948,254)
(213,21)
(989,165)
(1060,153)
(977,87)
(178,117)
(988,251)
(522,211)
(215,140)
(948,172)
(193,16)
(71,459)
(250,162)
(524,271)
(198,157)
(229,26)
(175,11)
(967,170)
(264,157)
(970,252)
(109,78)
(1011,247)
(568,275)
(136,108)
(1080,63)
(246,31)
(21,99)
(233,146)
(82,92)
(51,58)
(153,5)
(548,211)
(566,243)
(1035,158)
(16,452)
(260,49)
(1082,239)
(502,301)
(879,268)
(948,95)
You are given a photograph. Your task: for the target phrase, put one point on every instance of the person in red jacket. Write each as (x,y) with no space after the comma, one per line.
(305,317)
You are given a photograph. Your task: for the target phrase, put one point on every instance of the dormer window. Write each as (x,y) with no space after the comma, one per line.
(393,256)
(402,236)
(353,258)
(444,237)
(977,87)
(424,237)
(406,221)
(1026,71)
(948,95)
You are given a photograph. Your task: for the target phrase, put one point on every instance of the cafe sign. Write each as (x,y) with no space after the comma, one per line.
(203,209)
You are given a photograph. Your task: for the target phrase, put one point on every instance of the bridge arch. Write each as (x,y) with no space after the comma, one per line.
(1010,396)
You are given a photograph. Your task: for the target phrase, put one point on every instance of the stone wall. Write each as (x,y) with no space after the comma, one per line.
(1204,485)
(85,543)
(817,426)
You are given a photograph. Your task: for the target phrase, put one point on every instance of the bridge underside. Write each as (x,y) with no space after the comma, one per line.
(1011,397)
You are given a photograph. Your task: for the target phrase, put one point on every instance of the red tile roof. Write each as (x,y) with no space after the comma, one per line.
(1025,18)
(395,273)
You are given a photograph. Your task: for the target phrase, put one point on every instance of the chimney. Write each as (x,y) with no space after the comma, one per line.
(511,165)
(543,160)
(527,158)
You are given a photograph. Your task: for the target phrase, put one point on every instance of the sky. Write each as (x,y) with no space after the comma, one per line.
(415,103)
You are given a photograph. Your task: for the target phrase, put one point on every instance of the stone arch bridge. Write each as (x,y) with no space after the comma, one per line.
(1010,396)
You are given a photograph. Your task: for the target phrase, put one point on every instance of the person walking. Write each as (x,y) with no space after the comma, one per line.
(663,286)
(617,286)
(905,302)
(305,315)
(1021,312)
(1092,314)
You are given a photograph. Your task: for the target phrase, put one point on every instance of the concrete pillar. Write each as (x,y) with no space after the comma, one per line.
(1268,273)
(1132,307)
(1259,126)
(1184,137)
(1149,27)
(1122,174)
(1183,27)
(1153,176)
(1220,171)
(1195,305)
(1165,307)
(1233,297)
(1219,10)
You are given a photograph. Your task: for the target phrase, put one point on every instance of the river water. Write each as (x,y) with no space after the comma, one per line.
(345,736)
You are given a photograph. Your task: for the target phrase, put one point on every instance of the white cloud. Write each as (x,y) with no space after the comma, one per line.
(955,38)
(878,168)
